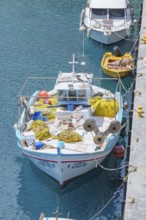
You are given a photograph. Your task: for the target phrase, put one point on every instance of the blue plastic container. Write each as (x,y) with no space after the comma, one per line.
(39,145)
(70,107)
(37,116)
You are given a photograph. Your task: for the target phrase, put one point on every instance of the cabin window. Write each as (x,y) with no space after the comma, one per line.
(82,95)
(116,13)
(99,13)
(72,95)
(62,95)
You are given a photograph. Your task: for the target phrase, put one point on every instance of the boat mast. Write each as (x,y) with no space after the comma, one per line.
(73,62)
(57,213)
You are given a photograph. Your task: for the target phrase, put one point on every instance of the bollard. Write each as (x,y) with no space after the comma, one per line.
(140,111)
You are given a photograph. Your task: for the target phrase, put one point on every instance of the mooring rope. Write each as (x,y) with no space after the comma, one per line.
(108,201)
(124,180)
(114,169)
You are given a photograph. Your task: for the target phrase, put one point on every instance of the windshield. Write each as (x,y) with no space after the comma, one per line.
(99,13)
(62,94)
(72,96)
(82,95)
(108,13)
(116,13)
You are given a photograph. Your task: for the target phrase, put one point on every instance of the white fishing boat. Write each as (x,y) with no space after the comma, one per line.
(69,130)
(107,21)
(42,216)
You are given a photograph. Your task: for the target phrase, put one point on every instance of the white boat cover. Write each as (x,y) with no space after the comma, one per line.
(113,4)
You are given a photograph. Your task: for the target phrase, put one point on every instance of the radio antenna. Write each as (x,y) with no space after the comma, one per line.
(83,63)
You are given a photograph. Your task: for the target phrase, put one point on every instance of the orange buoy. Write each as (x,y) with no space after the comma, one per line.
(43,94)
(119,150)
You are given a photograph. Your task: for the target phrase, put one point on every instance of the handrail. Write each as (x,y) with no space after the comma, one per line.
(25,85)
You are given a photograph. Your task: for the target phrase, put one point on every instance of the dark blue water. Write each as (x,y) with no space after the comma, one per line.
(38,38)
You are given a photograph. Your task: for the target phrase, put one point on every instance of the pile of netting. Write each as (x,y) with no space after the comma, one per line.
(42,132)
(40,129)
(104,107)
(69,136)
(43,106)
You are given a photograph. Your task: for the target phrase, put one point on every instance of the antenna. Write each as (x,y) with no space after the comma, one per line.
(73,62)
(83,45)
(83,63)
(68,214)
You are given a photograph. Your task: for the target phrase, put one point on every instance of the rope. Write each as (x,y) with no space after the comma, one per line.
(108,201)
(121,82)
(124,180)
(110,169)
(130,88)
(135,43)
(123,38)
(114,169)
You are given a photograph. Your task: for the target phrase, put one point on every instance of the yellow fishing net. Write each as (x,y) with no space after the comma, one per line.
(69,136)
(48,112)
(40,129)
(104,107)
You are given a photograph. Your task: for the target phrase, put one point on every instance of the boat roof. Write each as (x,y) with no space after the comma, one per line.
(77,80)
(114,4)
(76,86)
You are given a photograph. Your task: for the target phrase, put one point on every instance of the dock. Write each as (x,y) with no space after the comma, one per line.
(135,199)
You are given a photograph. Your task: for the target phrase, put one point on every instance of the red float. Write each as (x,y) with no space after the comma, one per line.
(43,94)
(119,150)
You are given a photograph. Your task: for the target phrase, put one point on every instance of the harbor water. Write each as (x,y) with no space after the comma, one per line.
(38,38)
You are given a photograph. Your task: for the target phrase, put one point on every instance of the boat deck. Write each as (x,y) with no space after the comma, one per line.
(85,146)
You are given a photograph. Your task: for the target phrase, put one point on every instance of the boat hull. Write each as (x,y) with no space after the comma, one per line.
(107,39)
(63,167)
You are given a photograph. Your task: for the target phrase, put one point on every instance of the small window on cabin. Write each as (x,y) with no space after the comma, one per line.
(62,95)
(116,13)
(82,95)
(99,13)
(72,96)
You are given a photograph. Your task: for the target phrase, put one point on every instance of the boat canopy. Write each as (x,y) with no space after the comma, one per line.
(114,4)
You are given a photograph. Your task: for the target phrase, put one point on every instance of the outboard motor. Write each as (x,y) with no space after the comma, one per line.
(117,51)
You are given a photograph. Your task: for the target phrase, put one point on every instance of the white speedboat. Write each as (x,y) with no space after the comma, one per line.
(69,130)
(107,21)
